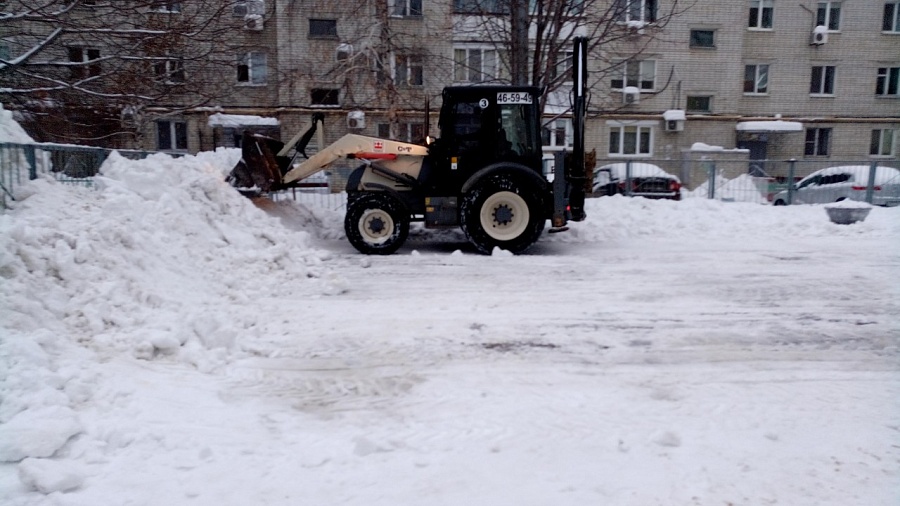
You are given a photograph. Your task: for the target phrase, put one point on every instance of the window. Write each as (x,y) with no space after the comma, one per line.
(481,6)
(323,29)
(891,21)
(557,135)
(888,82)
(703,38)
(699,103)
(573,7)
(324,96)
(249,7)
(408,70)
(761,14)
(171,136)
(165,6)
(756,79)
(406,7)
(80,56)
(630,140)
(640,74)
(407,132)
(252,68)
(882,142)
(563,66)
(822,82)
(636,11)
(817,141)
(169,71)
(475,65)
(829,14)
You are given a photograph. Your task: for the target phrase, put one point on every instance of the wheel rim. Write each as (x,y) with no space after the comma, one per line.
(376,226)
(504,216)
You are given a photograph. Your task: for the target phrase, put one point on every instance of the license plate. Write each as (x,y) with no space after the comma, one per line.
(514,97)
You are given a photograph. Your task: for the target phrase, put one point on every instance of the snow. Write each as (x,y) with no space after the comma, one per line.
(701,146)
(674,115)
(10,131)
(769,126)
(619,171)
(166,341)
(860,174)
(238,120)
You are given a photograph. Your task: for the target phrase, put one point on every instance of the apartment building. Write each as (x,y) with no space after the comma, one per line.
(807,79)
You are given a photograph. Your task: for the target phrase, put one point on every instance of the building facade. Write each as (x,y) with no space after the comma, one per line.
(809,80)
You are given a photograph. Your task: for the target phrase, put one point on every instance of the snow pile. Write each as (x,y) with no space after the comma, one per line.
(744,188)
(617,217)
(163,259)
(10,130)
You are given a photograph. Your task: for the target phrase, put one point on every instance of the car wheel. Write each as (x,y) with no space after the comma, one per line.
(376,223)
(779,202)
(503,211)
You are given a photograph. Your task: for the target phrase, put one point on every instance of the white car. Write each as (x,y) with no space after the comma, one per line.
(845,182)
(647,180)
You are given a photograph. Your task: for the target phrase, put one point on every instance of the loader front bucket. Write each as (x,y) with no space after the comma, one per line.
(258,172)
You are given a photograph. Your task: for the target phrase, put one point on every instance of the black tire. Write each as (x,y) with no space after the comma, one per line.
(503,211)
(376,223)
(779,202)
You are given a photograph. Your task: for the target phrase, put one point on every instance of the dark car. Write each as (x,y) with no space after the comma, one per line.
(643,180)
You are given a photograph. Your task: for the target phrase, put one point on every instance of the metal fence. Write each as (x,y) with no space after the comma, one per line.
(731,180)
(68,164)
(774,181)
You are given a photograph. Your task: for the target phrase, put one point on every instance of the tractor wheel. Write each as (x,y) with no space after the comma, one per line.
(376,223)
(503,211)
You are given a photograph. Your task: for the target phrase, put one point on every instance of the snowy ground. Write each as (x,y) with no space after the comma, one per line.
(166,342)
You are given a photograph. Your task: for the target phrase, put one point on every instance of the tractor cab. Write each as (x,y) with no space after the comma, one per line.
(484,125)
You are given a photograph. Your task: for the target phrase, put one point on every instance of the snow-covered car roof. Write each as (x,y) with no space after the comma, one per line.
(638,169)
(860,173)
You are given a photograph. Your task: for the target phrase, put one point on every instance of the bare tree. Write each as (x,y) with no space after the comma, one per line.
(103,62)
(618,31)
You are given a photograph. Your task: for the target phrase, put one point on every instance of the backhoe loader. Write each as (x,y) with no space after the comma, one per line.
(483,174)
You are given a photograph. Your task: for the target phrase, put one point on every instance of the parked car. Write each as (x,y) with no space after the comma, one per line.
(846,182)
(647,180)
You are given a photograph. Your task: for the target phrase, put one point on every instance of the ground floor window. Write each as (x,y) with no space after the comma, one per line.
(171,136)
(557,134)
(818,141)
(882,142)
(406,132)
(630,140)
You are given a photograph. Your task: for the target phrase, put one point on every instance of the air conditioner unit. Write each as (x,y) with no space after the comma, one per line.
(819,36)
(674,125)
(356,120)
(253,22)
(343,52)
(631,95)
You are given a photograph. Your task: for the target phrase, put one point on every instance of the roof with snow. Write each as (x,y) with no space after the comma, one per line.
(769,126)
(236,120)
